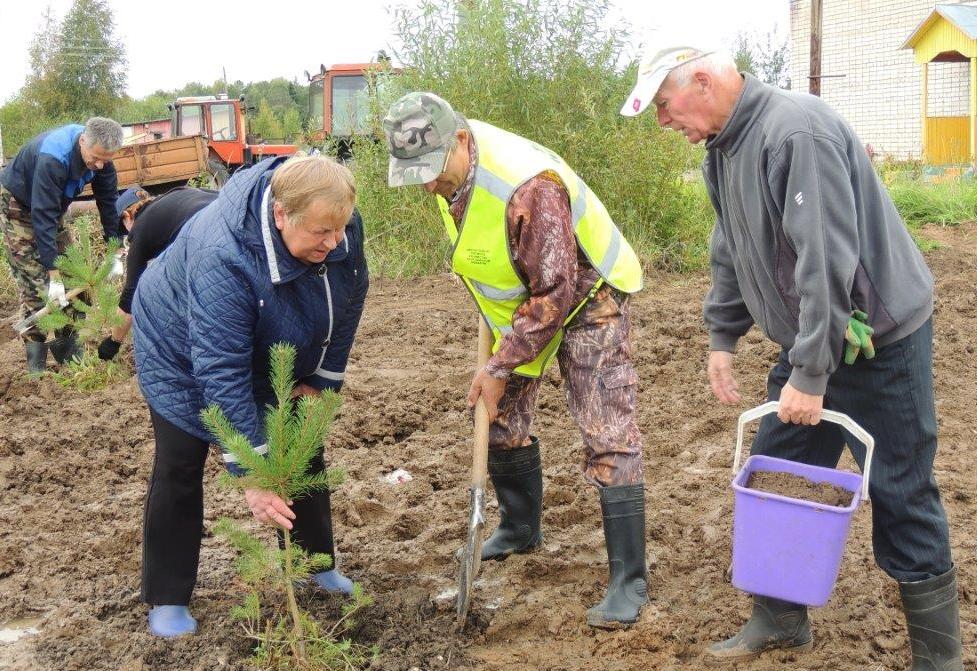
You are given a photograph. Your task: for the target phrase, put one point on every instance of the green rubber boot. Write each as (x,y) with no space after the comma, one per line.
(36,357)
(66,348)
(517,476)
(774,625)
(623,510)
(933,618)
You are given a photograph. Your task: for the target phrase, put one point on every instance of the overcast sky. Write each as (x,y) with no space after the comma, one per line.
(172,42)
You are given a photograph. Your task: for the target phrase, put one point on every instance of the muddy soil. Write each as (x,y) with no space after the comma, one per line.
(73,471)
(797,487)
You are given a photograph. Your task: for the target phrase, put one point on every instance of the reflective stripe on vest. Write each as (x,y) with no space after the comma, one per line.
(481,254)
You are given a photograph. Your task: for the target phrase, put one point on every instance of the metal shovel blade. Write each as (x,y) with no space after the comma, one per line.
(471,559)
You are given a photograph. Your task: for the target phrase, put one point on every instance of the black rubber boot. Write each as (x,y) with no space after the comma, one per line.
(623,509)
(774,624)
(518,479)
(933,619)
(66,348)
(36,357)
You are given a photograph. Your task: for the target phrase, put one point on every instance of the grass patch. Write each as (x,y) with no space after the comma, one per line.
(944,203)
(91,373)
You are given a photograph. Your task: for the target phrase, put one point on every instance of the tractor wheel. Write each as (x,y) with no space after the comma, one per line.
(217,172)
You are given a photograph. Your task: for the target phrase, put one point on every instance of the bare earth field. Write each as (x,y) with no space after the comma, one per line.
(73,470)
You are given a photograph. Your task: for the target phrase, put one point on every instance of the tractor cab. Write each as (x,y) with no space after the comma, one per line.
(222,121)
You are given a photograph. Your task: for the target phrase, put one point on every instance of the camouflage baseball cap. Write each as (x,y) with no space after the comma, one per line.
(417,127)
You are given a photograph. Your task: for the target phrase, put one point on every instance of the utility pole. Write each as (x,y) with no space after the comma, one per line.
(814,80)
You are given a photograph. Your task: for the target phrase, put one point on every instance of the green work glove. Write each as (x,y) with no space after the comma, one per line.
(858,337)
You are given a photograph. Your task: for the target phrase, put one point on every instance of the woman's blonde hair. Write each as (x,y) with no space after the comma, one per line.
(303,179)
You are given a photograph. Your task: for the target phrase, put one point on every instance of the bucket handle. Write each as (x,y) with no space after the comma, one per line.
(826,416)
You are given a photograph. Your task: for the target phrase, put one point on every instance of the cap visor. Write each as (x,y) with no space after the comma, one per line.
(643,93)
(417,170)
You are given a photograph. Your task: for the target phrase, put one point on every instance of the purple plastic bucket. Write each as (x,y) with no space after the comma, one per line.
(789,548)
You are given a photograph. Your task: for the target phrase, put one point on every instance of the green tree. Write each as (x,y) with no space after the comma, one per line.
(77,69)
(292,125)
(288,637)
(266,124)
(87,265)
(559,84)
(766,57)
(153,106)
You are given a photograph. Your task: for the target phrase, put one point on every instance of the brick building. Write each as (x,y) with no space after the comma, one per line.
(880,88)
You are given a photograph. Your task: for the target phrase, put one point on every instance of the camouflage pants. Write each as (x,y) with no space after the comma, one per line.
(600,383)
(25,263)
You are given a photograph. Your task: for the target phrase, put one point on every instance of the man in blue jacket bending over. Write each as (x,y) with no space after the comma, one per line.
(278,257)
(35,191)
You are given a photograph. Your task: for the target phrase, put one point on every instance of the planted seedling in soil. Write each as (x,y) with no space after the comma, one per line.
(287,637)
(95,309)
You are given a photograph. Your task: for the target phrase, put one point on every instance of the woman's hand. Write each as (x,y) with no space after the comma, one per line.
(269,508)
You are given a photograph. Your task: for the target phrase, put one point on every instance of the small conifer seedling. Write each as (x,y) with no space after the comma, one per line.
(96,308)
(288,638)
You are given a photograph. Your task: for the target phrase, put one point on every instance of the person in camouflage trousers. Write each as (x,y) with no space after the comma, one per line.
(25,266)
(558,291)
(36,189)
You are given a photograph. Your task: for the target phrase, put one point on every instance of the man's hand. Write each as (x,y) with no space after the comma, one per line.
(55,292)
(796,407)
(721,380)
(108,348)
(858,337)
(490,389)
(269,508)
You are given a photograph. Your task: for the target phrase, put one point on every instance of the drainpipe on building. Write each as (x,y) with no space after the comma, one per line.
(814,80)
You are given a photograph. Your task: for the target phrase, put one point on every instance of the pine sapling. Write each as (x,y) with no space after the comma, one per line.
(295,433)
(82,266)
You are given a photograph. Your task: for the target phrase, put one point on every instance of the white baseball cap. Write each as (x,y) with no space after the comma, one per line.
(652,70)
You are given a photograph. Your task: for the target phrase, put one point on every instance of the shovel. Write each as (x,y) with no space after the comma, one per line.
(24,324)
(471,559)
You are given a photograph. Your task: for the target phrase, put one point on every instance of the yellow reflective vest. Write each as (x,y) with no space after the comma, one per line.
(481,255)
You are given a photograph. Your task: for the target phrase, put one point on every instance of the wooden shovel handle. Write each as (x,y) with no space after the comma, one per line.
(480,453)
(32,318)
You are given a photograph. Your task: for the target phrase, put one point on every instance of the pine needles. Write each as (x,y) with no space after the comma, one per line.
(288,638)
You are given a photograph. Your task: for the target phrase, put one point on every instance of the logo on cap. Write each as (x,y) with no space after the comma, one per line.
(636,104)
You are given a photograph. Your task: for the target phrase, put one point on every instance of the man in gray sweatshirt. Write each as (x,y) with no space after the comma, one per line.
(809,247)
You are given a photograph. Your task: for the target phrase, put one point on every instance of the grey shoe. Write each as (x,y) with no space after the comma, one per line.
(623,510)
(517,476)
(774,624)
(933,618)
(36,357)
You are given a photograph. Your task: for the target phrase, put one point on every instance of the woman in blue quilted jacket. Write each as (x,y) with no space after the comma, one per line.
(278,257)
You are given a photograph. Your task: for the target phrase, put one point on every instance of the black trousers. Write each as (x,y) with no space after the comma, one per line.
(891,397)
(174,516)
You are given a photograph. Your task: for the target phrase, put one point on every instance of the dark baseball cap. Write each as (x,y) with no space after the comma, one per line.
(127,199)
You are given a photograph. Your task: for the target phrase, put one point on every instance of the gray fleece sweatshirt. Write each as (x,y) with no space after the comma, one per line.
(805,233)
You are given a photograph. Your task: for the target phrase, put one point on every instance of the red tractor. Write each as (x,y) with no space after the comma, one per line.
(222,121)
(339,102)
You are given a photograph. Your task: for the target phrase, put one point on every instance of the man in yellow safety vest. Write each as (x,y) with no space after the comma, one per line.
(551,275)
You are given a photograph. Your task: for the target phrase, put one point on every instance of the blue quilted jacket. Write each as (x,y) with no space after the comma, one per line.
(225,290)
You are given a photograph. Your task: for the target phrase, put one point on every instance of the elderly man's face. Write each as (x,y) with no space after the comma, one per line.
(455,169)
(95,156)
(319,231)
(685,109)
